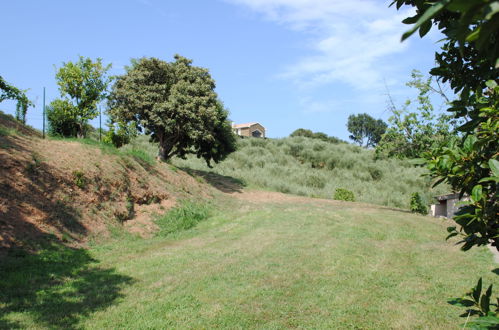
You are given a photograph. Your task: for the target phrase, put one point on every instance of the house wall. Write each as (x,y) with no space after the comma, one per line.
(245,131)
(255,127)
(439,210)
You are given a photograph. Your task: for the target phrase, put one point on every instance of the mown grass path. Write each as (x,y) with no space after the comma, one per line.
(265,260)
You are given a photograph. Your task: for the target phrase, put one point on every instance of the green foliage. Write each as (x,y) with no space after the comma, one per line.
(317,135)
(417,205)
(177,105)
(79,179)
(412,132)
(140,154)
(82,85)
(120,133)
(365,130)
(183,217)
(469,25)
(60,120)
(342,194)
(469,61)
(9,92)
(478,303)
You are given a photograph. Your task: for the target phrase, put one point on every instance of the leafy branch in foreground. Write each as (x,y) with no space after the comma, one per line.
(469,61)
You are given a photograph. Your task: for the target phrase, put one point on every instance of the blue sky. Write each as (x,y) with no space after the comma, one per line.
(287,64)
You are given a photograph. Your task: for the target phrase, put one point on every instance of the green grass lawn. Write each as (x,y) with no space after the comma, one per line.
(284,263)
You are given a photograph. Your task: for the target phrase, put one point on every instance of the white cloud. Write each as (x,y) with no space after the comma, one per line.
(351,41)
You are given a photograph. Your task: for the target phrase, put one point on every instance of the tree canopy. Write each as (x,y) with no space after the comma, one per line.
(365,130)
(177,105)
(82,85)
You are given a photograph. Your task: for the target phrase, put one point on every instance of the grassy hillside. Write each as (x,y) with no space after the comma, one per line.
(258,260)
(311,167)
(73,191)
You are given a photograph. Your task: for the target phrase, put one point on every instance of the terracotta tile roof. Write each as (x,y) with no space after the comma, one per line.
(243,125)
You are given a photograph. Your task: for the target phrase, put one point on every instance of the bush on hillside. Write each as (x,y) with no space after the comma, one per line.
(344,195)
(120,133)
(315,135)
(417,205)
(183,217)
(59,123)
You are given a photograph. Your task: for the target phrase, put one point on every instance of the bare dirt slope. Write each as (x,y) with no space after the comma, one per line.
(69,191)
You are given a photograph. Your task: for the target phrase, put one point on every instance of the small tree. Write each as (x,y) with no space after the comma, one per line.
(8,91)
(365,130)
(412,132)
(82,85)
(176,103)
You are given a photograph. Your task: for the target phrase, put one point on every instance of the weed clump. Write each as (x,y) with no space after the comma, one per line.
(183,217)
(79,179)
(344,195)
(417,205)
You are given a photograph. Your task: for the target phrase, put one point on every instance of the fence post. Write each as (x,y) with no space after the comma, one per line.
(43,119)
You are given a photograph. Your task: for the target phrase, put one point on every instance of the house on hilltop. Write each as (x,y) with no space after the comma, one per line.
(249,130)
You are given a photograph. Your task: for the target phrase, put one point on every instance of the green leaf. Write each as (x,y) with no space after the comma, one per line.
(491,84)
(450,236)
(460,302)
(494,166)
(469,143)
(485,322)
(427,15)
(485,301)
(476,193)
(425,28)
(489,178)
(477,291)
(492,9)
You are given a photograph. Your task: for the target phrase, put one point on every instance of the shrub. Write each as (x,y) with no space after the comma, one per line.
(59,122)
(375,173)
(344,195)
(417,205)
(120,133)
(315,181)
(79,179)
(182,217)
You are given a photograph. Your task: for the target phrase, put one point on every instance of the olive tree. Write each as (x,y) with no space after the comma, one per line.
(175,102)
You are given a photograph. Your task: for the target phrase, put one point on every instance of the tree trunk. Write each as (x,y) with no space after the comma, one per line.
(80,134)
(162,153)
(164,148)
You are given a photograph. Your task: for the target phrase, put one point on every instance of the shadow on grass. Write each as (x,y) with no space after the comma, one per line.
(224,183)
(56,288)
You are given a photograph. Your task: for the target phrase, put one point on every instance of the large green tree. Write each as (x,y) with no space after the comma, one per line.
(177,105)
(469,61)
(365,130)
(82,84)
(9,92)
